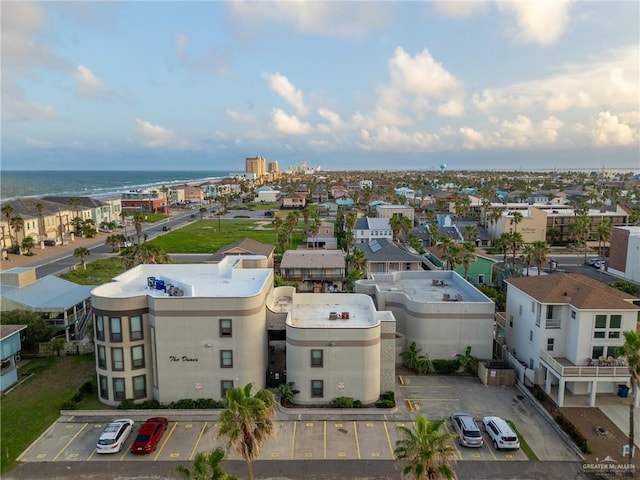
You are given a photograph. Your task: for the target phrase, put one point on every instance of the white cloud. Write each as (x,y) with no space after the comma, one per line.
(420,74)
(452,108)
(86,82)
(283,87)
(541,22)
(153,135)
(461,9)
(610,131)
(550,129)
(472,139)
(288,124)
(240,117)
(333,19)
(335,122)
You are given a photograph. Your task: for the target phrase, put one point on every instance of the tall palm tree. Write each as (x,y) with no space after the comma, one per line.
(430,454)
(357,260)
(467,257)
(527,255)
(17,223)
(247,421)
(74,203)
(604,235)
(580,230)
(81,253)
(40,209)
(517,218)
(138,220)
(539,254)
(206,466)
(145,253)
(515,242)
(315,228)
(631,350)
(7,211)
(471,232)
(202,211)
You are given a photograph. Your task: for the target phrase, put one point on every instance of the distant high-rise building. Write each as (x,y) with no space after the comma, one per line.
(273,166)
(256,165)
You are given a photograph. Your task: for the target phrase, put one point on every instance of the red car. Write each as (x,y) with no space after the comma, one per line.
(149,435)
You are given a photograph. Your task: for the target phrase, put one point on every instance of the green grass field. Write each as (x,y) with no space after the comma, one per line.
(31,407)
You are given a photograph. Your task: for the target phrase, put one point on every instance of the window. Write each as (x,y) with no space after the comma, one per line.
(116,329)
(520,310)
(104,387)
(597,352)
(549,311)
(99,328)
(481,279)
(615,321)
(226,358)
(511,320)
(317,358)
(533,307)
(531,335)
(550,344)
(139,387)
(225,327)
(102,357)
(135,326)
(573,314)
(118,389)
(317,388)
(137,357)
(224,386)
(601,321)
(117,360)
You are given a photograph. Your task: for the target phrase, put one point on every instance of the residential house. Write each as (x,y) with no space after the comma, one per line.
(389,211)
(325,238)
(371,228)
(10,347)
(386,256)
(564,331)
(480,270)
(294,200)
(246,246)
(266,194)
(438,310)
(100,211)
(318,271)
(338,191)
(144,200)
(320,194)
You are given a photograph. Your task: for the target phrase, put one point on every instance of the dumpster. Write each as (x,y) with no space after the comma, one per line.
(623,391)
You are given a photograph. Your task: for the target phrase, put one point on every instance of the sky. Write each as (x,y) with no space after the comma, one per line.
(341,85)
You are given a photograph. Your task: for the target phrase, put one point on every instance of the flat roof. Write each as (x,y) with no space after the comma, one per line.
(332,310)
(194,280)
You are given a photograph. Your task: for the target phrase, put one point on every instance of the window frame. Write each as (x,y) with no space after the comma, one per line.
(136,334)
(224,387)
(113,359)
(223,330)
(314,388)
(100,328)
(103,386)
(113,335)
(314,362)
(551,342)
(137,394)
(222,358)
(116,392)
(102,357)
(137,363)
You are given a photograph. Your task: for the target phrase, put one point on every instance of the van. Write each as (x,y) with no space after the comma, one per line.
(469,434)
(501,434)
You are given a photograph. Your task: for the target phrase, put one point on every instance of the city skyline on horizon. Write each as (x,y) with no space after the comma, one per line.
(375,86)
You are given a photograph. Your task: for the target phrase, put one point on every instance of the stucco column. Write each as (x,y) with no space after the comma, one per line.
(637,397)
(547,380)
(561,392)
(592,396)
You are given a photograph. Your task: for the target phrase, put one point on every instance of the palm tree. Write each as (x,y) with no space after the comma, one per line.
(527,256)
(202,211)
(145,253)
(394,223)
(430,454)
(515,241)
(604,235)
(138,220)
(7,211)
(27,244)
(315,228)
(247,421)
(467,257)
(631,350)
(40,210)
(580,231)
(81,253)
(471,232)
(539,254)
(357,260)
(206,466)
(17,223)
(517,218)
(553,234)
(74,203)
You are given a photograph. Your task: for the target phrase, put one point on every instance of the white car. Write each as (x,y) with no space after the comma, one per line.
(502,435)
(114,435)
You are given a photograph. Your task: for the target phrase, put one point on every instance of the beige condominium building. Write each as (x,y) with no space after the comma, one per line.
(170,332)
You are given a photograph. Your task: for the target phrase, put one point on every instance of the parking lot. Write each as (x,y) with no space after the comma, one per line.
(316,435)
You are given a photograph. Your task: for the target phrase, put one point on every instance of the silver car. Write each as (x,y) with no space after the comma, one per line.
(469,434)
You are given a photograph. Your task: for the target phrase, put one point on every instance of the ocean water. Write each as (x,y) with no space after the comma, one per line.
(97,184)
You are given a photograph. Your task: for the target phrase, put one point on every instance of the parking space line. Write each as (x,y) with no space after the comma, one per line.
(198,440)
(355,432)
(386,431)
(324,441)
(455,443)
(165,441)
(69,442)
(293,438)
(28,450)
(401,380)
(409,404)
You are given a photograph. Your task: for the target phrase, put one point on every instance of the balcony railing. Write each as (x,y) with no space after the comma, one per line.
(552,323)
(583,370)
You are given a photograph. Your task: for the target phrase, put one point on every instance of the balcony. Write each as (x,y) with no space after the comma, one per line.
(565,368)
(552,323)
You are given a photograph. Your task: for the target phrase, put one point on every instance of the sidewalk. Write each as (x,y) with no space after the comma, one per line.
(42,255)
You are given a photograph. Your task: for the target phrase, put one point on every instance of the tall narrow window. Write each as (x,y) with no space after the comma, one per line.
(550,344)
(99,327)
(102,357)
(116,329)
(119,392)
(135,327)
(117,359)
(317,358)
(137,356)
(225,327)
(317,388)
(226,358)
(140,386)
(104,387)
(224,386)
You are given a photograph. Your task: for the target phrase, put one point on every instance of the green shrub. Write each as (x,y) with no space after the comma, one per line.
(68,405)
(88,388)
(446,366)
(571,430)
(208,403)
(149,405)
(357,404)
(77,397)
(386,403)
(342,402)
(388,396)
(183,404)
(127,404)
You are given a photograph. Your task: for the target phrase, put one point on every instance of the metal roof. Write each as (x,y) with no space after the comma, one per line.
(48,294)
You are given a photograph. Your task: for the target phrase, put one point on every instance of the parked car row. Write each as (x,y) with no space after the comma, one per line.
(500,433)
(115,434)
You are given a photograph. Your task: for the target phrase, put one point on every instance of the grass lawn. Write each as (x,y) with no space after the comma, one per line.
(97,272)
(33,406)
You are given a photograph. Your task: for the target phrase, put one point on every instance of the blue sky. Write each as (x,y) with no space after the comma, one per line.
(344,85)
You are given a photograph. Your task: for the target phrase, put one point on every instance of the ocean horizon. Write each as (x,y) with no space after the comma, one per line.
(94,183)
